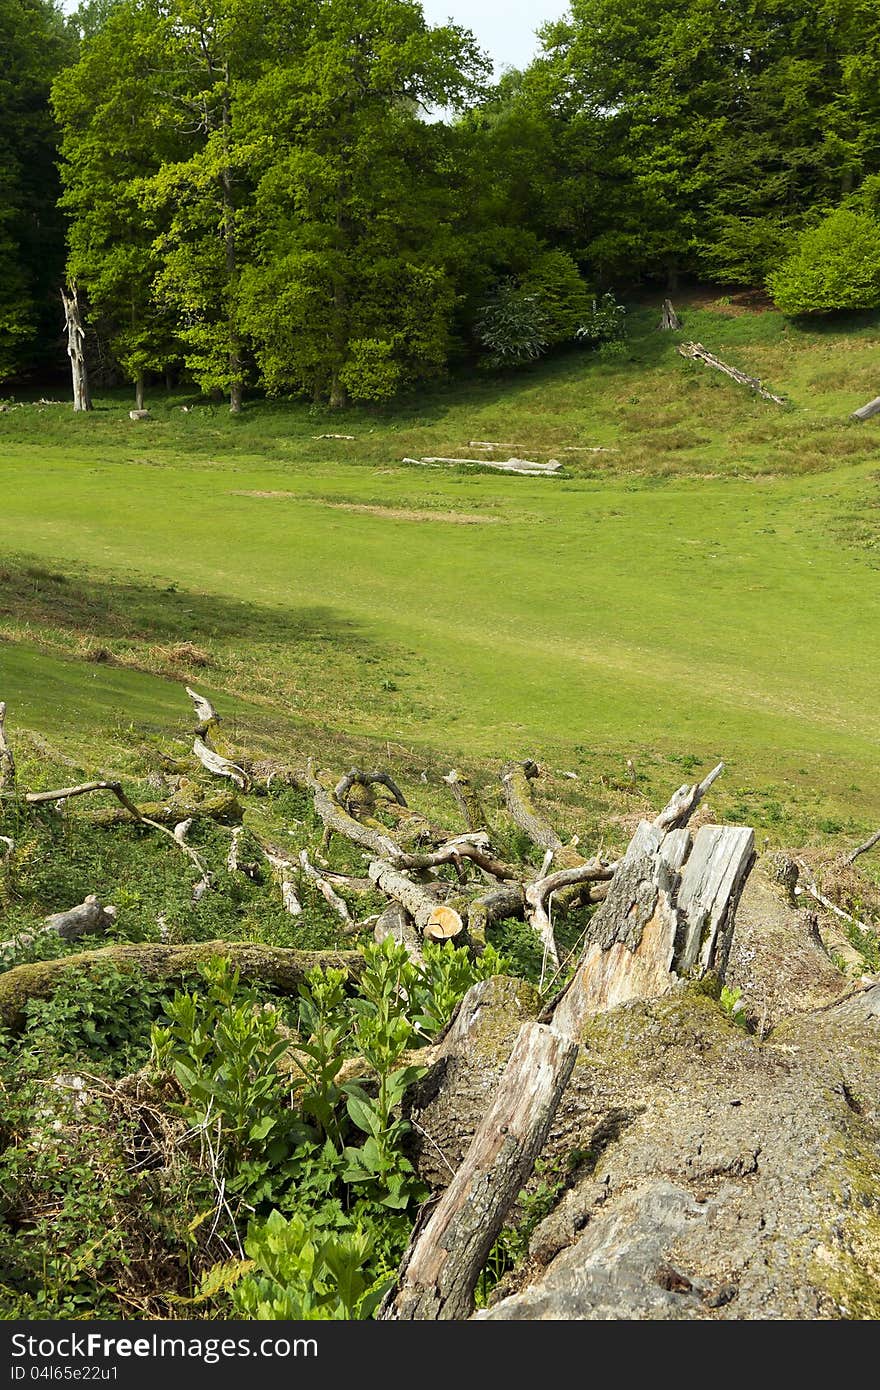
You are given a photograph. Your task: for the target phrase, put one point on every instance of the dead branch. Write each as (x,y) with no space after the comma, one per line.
(865,412)
(219,766)
(516,779)
(355,776)
(538,896)
(681,806)
(697,353)
(324,888)
(808,886)
(88,918)
(440,1270)
(869,844)
(467,800)
(206,714)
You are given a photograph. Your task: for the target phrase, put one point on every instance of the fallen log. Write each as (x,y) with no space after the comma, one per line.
(516,779)
(440,1270)
(467,800)
(396,922)
(222,807)
(494,905)
(7,761)
(512,465)
(865,412)
(697,353)
(421,900)
(337,821)
(283,969)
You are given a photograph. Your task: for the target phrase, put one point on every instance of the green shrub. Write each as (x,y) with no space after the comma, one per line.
(835,265)
(302,1272)
(562,294)
(513,327)
(605,322)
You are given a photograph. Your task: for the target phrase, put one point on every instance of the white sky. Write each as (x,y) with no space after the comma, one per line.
(505,28)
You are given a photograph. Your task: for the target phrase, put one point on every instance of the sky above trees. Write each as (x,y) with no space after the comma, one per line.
(505,28)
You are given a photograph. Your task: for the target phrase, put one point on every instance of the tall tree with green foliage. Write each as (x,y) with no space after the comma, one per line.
(349,294)
(34,43)
(111,149)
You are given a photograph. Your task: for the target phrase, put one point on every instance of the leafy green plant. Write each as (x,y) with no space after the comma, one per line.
(301,1272)
(734,1006)
(513,327)
(835,265)
(605,323)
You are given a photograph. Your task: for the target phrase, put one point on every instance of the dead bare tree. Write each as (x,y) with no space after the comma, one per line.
(76,335)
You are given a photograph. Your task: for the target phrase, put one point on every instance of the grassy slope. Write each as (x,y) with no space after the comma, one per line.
(709,588)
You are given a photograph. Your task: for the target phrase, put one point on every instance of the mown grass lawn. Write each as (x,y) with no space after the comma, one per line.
(708,587)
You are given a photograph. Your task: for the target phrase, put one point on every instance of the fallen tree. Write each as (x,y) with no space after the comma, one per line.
(283,969)
(697,353)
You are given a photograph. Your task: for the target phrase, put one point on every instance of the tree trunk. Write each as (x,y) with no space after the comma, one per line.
(669,320)
(139,391)
(82,399)
(338,393)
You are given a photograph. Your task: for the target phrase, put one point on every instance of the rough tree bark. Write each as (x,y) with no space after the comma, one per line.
(669,320)
(7,760)
(444,1261)
(76,334)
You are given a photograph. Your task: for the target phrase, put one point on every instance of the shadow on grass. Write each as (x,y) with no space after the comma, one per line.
(32,593)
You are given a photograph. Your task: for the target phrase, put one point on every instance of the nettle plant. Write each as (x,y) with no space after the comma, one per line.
(311,1151)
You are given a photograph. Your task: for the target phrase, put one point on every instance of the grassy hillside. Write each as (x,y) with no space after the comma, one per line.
(707,587)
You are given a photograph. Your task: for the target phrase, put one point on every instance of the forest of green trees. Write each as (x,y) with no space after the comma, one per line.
(333,198)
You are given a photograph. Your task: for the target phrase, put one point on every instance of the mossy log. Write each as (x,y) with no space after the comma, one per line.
(283,969)
(222,807)
(516,778)
(467,800)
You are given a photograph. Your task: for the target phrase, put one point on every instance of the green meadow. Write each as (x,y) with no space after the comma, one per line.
(706,586)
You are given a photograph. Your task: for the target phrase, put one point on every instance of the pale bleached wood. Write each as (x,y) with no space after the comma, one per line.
(669,320)
(419,899)
(711,884)
(865,412)
(868,844)
(333,900)
(524,466)
(665,916)
(76,337)
(219,766)
(7,760)
(205,712)
(396,922)
(88,918)
(440,1271)
(697,353)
